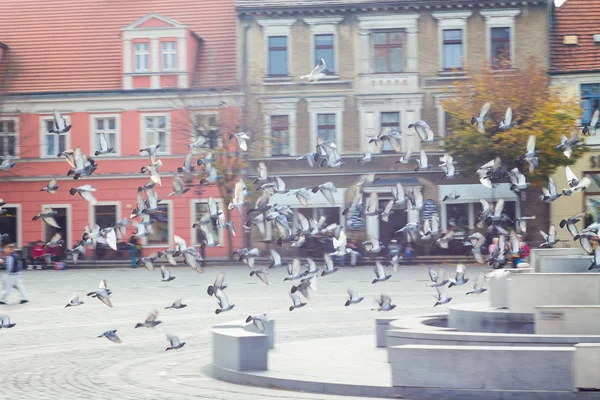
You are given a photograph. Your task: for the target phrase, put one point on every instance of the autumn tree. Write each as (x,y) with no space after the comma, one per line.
(538,109)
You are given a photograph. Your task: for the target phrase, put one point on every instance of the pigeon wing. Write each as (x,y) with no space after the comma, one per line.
(508,118)
(531,144)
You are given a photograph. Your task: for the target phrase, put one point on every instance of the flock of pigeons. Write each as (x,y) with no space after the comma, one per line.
(326,155)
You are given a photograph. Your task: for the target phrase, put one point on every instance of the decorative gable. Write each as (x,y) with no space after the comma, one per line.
(158,52)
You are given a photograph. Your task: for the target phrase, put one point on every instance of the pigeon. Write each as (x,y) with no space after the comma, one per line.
(166,274)
(531,155)
(60,124)
(275,259)
(237,200)
(590,130)
(477,240)
(327,189)
(330,268)
(147,262)
(580,187)
(566,145)
(177,304)
(261,273)
(150,322)
(385,303)
(217,285)
(85,192)
(521,225)
(293,269)
(175,343)
(76,252)
(448,167)
(423,163)
(111,335)
(84,166)
(507,123)
(380,275)
(572,179)
(317,72)
(55,241)
(437,278)
(478,286)
(354,299)
(48,217)
(367,157)
(571,220)
(399,194)
(5,322)
(258,321)
(304,285)
(595,260)
(297,302)
(74,302)
(518,180)
(373,245)
(223,301)
(104,147)
(550,194)
(7,164)
(51,187)
(198,143)
(372,208)
(102,293)
(451,196)
(550,238)
(310,157)
(423,130)
(480,121)
(460,276)
(151,150)
(241,138)
(178,187)
(442,296)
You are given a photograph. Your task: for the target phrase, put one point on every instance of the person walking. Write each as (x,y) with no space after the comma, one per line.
(12,277)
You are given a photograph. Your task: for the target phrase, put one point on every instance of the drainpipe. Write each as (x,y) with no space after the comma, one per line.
(247,27)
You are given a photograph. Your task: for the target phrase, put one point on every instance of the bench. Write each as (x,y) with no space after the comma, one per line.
(381,327)
(482,367)
(238,349)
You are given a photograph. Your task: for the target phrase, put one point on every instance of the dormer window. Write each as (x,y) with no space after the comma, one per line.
(142,57)
(158,52)
(169,56)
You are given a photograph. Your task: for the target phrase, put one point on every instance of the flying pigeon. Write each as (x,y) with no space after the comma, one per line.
(550,238)
(480,121)
(102,293)
(104,146)
(261,273)
(437,278)
(442,296)
(60,124)
(327,189)
(423,130)
(111,335)
(223,301)
(74,302)
(48,217)
(5,322)
(385,303)
(380,275)
(354,298)
(175,343)
(550,194)
(85,192)
(590,130)
(51,187)
(177,304)
(507,123)
(316,73)
(566,145)
(478,286)
(7,164)
(258,321)
(241,138)
(531,154)
(166,274)
(460,276)
(150,321)
(297,302)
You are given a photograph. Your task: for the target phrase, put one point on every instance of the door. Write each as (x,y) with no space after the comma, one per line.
(396,221)
(9,224)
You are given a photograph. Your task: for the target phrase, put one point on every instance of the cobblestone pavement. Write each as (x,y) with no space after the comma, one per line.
(54,353)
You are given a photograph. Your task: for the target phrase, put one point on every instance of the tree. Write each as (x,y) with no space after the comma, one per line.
(538,109)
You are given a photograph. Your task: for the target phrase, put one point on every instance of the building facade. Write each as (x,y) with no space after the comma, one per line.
(575,70)
(389,64)
(139,73)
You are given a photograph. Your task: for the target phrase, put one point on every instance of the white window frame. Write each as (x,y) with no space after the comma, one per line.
(504,18)
(15,120)
(143,139)
(327,105)
(168,53)
(43,134)
(141,53)
(277,27)
(19,222)
(193,203)
(93,131)
(448,20)
(171,226)
(92,211)
(393,21)
(68,228)
(325,26)
(280,106)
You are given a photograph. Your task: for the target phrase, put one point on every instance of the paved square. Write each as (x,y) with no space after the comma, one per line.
(54,352)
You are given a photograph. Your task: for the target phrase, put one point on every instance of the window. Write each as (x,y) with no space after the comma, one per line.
(278,56)
(200,211)
(280,140)
(500,45)
(208,125)
(388,51)
(156,132)
(326,127)
(590,102)
(105,215)
(161,232)
(55,143)
(142,57)
(453,49)
(324,50)
(169,56)
(8,138)
(389,120)
(9,223)
(108,126)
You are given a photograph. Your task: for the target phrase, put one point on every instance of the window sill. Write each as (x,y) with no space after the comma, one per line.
(151,73)
(285,78)
(452,73)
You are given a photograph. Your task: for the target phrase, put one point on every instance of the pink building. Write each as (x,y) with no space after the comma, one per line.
(141,72)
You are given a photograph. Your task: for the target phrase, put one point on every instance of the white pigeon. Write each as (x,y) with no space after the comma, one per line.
(104,146)
(507,123)
(480,121)
(423,130)
(590,130)
(241,139)
(327,189)
(60,124)
(317,72)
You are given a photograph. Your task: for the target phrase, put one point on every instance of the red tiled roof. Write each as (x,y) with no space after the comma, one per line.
(75,45)
(582,18)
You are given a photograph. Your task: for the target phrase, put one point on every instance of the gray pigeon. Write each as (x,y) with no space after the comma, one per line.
(354,299)
(111,335)
(175,343)
(442,296)
(74,302)
(150,322)
(380,275)
(218,285)
(166,274)
(258,321)
(478,286)
(177,305)
(385,303)
(223,301)
(5,322)
(297,302)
